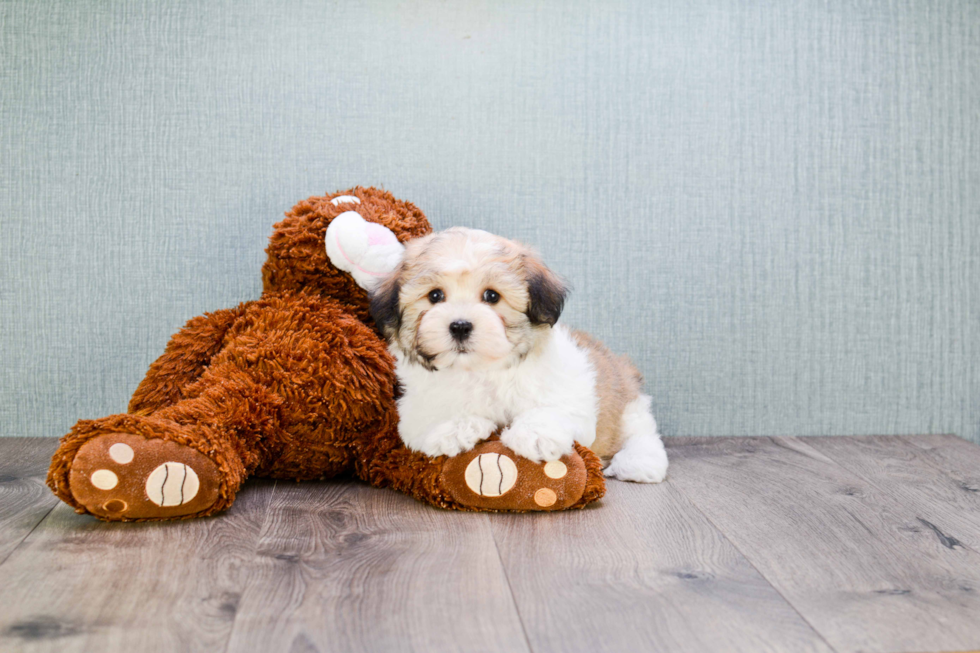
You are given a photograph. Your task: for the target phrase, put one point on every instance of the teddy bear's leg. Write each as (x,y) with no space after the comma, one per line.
(493,477)
(187,355)
(187,459)
(488,477)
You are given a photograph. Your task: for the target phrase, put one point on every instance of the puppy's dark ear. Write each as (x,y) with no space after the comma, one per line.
(546,292)
(384,304)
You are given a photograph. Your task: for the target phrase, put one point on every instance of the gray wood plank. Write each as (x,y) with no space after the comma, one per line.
(957,458)
(347,567)
(77,584)
(24,498)
(947,506)
(643,571)
(853,560)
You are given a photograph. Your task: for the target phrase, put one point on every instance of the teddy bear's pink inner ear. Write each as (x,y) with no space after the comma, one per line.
(379,235)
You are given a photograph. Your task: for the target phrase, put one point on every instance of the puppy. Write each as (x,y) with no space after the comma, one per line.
(471,319)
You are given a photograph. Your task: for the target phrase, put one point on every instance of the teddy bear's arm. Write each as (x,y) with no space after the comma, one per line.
(187,355)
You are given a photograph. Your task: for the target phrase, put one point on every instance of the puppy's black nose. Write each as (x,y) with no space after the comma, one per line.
(461,330)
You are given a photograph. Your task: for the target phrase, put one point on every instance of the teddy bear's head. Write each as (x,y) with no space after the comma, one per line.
(306,253)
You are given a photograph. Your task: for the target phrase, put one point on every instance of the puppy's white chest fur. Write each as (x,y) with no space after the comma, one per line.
(554,383)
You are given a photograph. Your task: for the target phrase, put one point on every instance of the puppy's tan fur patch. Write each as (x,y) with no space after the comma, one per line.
(618,383)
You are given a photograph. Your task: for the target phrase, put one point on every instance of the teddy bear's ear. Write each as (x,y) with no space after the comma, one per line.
(385,307)
(367,250)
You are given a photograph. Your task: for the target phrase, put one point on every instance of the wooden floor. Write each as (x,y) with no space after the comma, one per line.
(753,544)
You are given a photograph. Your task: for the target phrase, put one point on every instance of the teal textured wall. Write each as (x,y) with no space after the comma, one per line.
(774,207)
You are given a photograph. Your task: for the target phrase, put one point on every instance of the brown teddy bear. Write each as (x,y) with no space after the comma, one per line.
(295,385)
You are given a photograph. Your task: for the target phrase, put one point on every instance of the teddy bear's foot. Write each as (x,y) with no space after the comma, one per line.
(123,476)
(492,477)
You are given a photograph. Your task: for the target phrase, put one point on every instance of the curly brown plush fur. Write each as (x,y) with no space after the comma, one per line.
(295,385)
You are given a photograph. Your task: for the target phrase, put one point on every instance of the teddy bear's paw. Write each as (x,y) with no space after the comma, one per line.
(367,250)
(493,477)
(123,476)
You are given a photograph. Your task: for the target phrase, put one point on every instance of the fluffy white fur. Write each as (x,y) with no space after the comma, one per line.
(516,369)
(547,402)
(642,457)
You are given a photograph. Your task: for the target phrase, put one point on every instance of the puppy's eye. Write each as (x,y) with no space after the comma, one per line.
(436,296)
(491,296)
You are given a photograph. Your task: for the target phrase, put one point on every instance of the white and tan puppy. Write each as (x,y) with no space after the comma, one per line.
(472,321)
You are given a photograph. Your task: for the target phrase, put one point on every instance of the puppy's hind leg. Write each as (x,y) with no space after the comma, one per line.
(642,458)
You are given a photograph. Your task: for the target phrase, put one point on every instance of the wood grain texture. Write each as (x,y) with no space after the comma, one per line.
(897,466)
(343,566)
(643,571)
(957,458)
(854,560)
(77,584)
(24,498)
(753,544)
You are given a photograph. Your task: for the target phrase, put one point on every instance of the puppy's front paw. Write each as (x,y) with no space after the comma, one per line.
(455,436)
(538,442)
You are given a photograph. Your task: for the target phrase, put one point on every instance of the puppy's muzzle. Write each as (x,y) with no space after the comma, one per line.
(461,330)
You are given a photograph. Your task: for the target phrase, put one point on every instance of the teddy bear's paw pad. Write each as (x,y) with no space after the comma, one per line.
(123,476)
(492,477)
